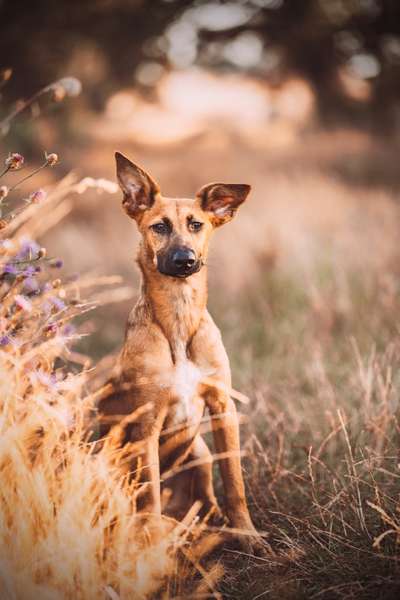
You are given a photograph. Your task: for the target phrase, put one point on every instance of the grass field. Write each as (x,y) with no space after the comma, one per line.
(309,306)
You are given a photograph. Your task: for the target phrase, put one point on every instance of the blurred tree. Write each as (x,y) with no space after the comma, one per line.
(41,39)
(349,50)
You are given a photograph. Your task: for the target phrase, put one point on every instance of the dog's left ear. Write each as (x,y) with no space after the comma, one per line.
(222,200)
(138,187)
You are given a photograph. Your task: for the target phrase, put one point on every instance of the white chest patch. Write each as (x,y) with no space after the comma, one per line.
(185,383)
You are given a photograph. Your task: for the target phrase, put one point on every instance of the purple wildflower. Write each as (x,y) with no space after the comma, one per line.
(28,250)
(31,286)
(38,196)
(28,271)
(10,269)
(57,303)
(68,330)
(57,263)
(46,308)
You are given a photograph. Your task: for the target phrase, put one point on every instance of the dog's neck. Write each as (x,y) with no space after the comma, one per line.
(177,305)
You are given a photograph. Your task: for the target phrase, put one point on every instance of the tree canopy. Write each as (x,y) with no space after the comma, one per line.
(114,43)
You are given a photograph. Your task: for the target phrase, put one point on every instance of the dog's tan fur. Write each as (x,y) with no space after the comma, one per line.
(173,353)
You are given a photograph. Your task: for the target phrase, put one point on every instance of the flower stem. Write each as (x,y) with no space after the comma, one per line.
(5,170)
(21,107)
(28,176)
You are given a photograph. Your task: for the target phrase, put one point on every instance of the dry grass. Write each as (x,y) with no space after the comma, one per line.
(309,306)
(322,442)
(318,352)
(68,522)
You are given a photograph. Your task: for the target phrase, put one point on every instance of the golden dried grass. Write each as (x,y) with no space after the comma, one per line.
(68,522)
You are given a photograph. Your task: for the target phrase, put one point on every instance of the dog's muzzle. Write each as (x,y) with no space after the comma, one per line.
(178,262)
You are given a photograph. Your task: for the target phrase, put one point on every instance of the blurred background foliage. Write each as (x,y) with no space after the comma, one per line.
(348,50)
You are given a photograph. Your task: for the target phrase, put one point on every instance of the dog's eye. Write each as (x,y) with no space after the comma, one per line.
(161,228)
(195,225)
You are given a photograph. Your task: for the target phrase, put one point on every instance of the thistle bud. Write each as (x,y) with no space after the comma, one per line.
(5,340)
(71,85)
(57,303)
(52,159)
(22,303)
(37,196)
(14,161)
(51,328)
(59,93)
(56,263)
(10,269)
(3,192)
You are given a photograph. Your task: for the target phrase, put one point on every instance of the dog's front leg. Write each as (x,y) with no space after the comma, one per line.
(149,474)
(227,443)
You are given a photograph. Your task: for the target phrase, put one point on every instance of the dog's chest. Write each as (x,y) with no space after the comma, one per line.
(185,401)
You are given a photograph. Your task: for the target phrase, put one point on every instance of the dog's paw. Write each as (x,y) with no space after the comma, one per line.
(214,517)
(253,544)
(249,540)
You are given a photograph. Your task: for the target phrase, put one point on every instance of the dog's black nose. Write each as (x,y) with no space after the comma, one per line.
(183,258)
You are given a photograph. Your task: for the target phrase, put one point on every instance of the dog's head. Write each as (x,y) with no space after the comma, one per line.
(176,231)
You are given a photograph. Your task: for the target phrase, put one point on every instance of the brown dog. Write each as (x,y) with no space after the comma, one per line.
(173,356)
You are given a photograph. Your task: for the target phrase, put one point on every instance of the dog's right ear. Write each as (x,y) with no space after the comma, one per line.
(138,187)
